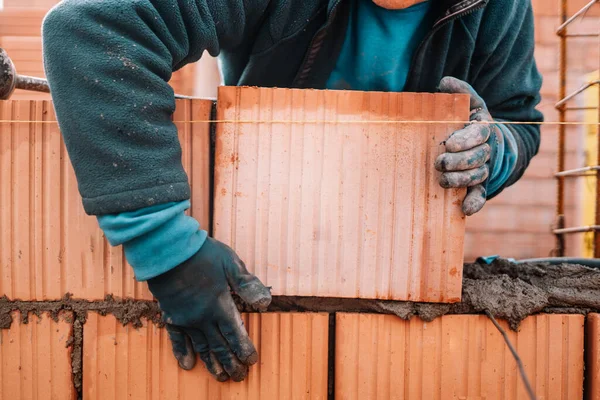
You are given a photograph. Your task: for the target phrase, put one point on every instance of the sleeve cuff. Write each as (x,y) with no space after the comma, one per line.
(156,239)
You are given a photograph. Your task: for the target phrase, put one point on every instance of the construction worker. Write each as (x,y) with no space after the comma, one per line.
(108,63)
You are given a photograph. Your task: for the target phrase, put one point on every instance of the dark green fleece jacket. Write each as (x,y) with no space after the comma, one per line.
(108,63)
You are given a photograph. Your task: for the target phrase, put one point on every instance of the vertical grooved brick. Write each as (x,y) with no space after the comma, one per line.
(592,365)
(48,245)
(336,208)
(127,363)
(456,357)
(35,360)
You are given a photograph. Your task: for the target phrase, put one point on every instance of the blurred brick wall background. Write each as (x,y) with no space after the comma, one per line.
(517,223)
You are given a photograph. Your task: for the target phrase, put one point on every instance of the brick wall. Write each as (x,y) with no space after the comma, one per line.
(517,223)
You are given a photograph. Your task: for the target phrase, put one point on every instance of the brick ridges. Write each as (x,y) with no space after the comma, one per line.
(125,363)
(456,357)
(48,245)
(340,209)
(35,360)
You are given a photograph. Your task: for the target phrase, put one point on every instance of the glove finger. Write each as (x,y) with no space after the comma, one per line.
(462,179)
(474,200)
(218,345)
(464,160)
(471,136)
(449,84)
(246,285)
(183,350)
(237,337)
(210,360)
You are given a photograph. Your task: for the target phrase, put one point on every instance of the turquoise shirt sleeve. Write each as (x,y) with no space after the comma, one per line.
(504,160)
(155,239)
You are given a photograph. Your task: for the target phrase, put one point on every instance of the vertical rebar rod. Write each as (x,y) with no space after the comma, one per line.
(597,219)
(562,89)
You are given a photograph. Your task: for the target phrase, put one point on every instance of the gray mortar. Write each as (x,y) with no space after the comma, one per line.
(509,291)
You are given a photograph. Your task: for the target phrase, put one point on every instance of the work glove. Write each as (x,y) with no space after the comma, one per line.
(469,151)
(200,313)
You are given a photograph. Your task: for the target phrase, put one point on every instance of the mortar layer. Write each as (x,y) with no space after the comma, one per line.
(509,291)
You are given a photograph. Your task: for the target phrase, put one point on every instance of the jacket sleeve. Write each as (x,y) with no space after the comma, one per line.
(108,63)
(507,77)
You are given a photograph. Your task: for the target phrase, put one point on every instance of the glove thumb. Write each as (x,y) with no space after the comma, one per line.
(452,85)
(247,286)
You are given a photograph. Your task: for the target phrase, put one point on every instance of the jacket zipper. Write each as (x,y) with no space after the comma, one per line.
(459,13)
(315,44)
(443,21)
(313,48)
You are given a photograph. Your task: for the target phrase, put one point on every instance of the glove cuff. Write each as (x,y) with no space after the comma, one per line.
(503,159)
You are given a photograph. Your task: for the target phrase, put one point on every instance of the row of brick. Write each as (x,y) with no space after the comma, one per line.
(495,239)
(50,246)
(312,188)
(375,357)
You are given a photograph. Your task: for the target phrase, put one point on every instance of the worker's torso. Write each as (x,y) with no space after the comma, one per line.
(297,44)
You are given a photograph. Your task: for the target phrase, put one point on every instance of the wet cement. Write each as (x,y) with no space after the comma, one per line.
(77,357)
(508,291)
(127,311)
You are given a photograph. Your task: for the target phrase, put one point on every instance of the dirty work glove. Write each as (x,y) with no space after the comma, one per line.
(480,157)
(201,315)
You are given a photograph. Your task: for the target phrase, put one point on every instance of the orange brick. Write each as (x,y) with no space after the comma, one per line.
(340,209)
(48,245)
(552,7)
(456,357)
(545,30)
(508,244)
(21,21)
(35,362)
(500,218)
(125,363)
(592,351)
(546,56)
(183,80)
(29,4)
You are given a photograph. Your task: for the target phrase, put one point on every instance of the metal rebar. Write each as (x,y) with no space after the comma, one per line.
(582,35)
(577,229)
(559,250)
(597,211)
(586,108)
(514,353)
(562,30)
(577,171)
(584,87)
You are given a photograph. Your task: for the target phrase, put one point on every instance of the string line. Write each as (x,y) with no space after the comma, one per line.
(343,122)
